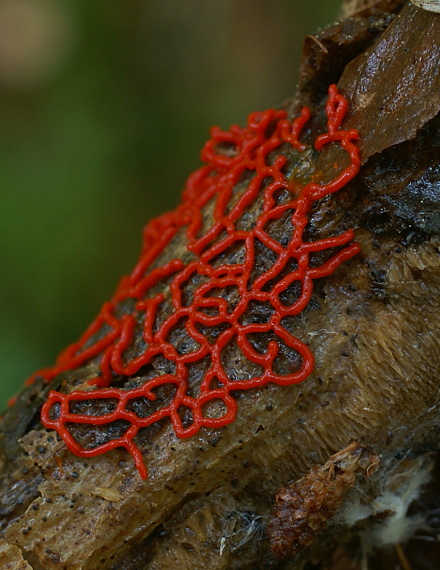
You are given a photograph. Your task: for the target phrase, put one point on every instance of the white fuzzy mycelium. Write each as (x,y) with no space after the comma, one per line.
(384,520)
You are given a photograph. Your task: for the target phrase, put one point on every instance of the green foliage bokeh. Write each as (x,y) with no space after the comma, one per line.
(98,141)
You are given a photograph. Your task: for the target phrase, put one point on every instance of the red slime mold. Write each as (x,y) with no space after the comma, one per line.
(230,157)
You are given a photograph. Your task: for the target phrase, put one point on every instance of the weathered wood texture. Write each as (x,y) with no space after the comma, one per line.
(372,326)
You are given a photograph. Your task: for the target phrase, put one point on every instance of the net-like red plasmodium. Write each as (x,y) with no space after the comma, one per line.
(240,153)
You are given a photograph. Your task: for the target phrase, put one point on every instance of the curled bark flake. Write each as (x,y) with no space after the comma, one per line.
(392,111)
(11,557)
(328,52)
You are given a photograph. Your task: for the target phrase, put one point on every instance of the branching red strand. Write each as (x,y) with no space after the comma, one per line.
(229,156)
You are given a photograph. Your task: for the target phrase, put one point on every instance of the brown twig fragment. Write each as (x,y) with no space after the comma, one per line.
(303,508)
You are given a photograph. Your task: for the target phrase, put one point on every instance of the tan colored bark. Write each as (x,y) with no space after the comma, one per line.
(11,557)
(372,326)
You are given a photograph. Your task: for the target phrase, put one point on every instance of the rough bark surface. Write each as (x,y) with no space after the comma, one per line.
(11,557)
(372,326)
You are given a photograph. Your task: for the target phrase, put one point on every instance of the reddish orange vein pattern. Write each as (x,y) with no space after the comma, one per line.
(250,152)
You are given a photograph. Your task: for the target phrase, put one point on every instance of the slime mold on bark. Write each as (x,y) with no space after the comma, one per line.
(248,153)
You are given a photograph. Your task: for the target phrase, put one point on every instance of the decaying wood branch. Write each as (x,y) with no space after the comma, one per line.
(373,329)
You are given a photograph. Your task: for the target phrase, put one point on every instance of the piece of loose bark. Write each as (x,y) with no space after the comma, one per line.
(11,558)
(394,87)
(372,327)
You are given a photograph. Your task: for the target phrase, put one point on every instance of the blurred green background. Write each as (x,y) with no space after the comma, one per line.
(104,107)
